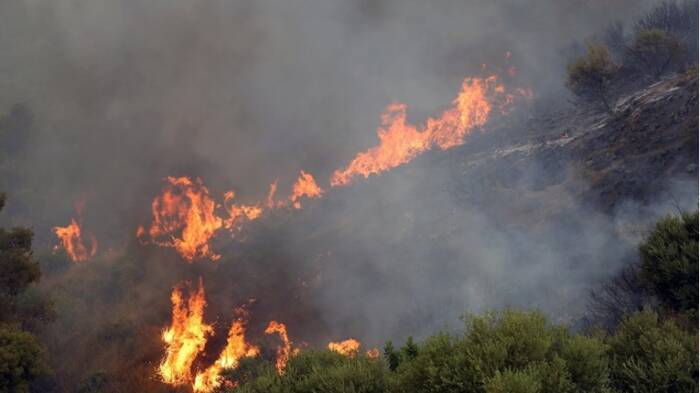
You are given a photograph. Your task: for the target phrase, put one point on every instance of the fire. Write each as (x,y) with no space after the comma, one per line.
(237,212)
(186,336)
(184,218)
(373,353)
(236,348)
(304,186)
(78,247)
(349,347)
(185,215)
(400,141)
(284,351)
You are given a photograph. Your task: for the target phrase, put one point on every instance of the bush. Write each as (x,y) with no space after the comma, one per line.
(669,262)
(651,356)
(589,77)
(507,351)
(442,365)
(654,52)
(321,371)
(510,351)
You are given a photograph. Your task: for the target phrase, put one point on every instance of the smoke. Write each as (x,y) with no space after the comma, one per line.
(125,93)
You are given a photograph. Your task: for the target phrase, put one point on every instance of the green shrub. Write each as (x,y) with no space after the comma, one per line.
(590,76)
(508,350)
(669,262)
(511,339)
(442,365)
(319,372)
(586,362)
(653,356)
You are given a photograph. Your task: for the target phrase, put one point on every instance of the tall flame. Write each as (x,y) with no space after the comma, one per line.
(304,186)
(284,351)
(400,142)
(184,218)
(78,245)
(236,348)
(186,336)
(349,347)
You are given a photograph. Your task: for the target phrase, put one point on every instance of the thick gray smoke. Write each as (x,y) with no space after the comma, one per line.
(125,93)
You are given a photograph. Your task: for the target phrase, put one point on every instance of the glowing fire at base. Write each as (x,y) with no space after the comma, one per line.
(186,337)
(349,347)
(236,349)
(78,247)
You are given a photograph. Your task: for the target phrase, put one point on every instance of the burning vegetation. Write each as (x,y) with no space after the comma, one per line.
(206,339)
(79,245)
(186,336)
(186,218)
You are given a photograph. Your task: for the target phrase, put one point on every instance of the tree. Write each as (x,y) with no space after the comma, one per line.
(589,77)
(21,360)
(653,356)
(392,357)
(654,52)
(21,355)
(513,381)
(410,350)
(669,262)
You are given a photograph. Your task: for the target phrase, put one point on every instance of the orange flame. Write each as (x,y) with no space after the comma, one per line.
(184,218)
(186,337)
(373,353)
(349,347)
(237,212)
(284,351)
(184,214)
(304,186)
(400,142)
(236,348)
(71,237)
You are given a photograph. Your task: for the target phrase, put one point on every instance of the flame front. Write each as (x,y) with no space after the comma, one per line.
(185,217)
(186,336)
(400,142)
(284,351)
(349,347)
(77,248)
(304,186)
(236,348)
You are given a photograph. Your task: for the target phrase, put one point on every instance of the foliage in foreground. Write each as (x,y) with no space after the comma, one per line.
(652,350)
(21,356)
(508,352)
